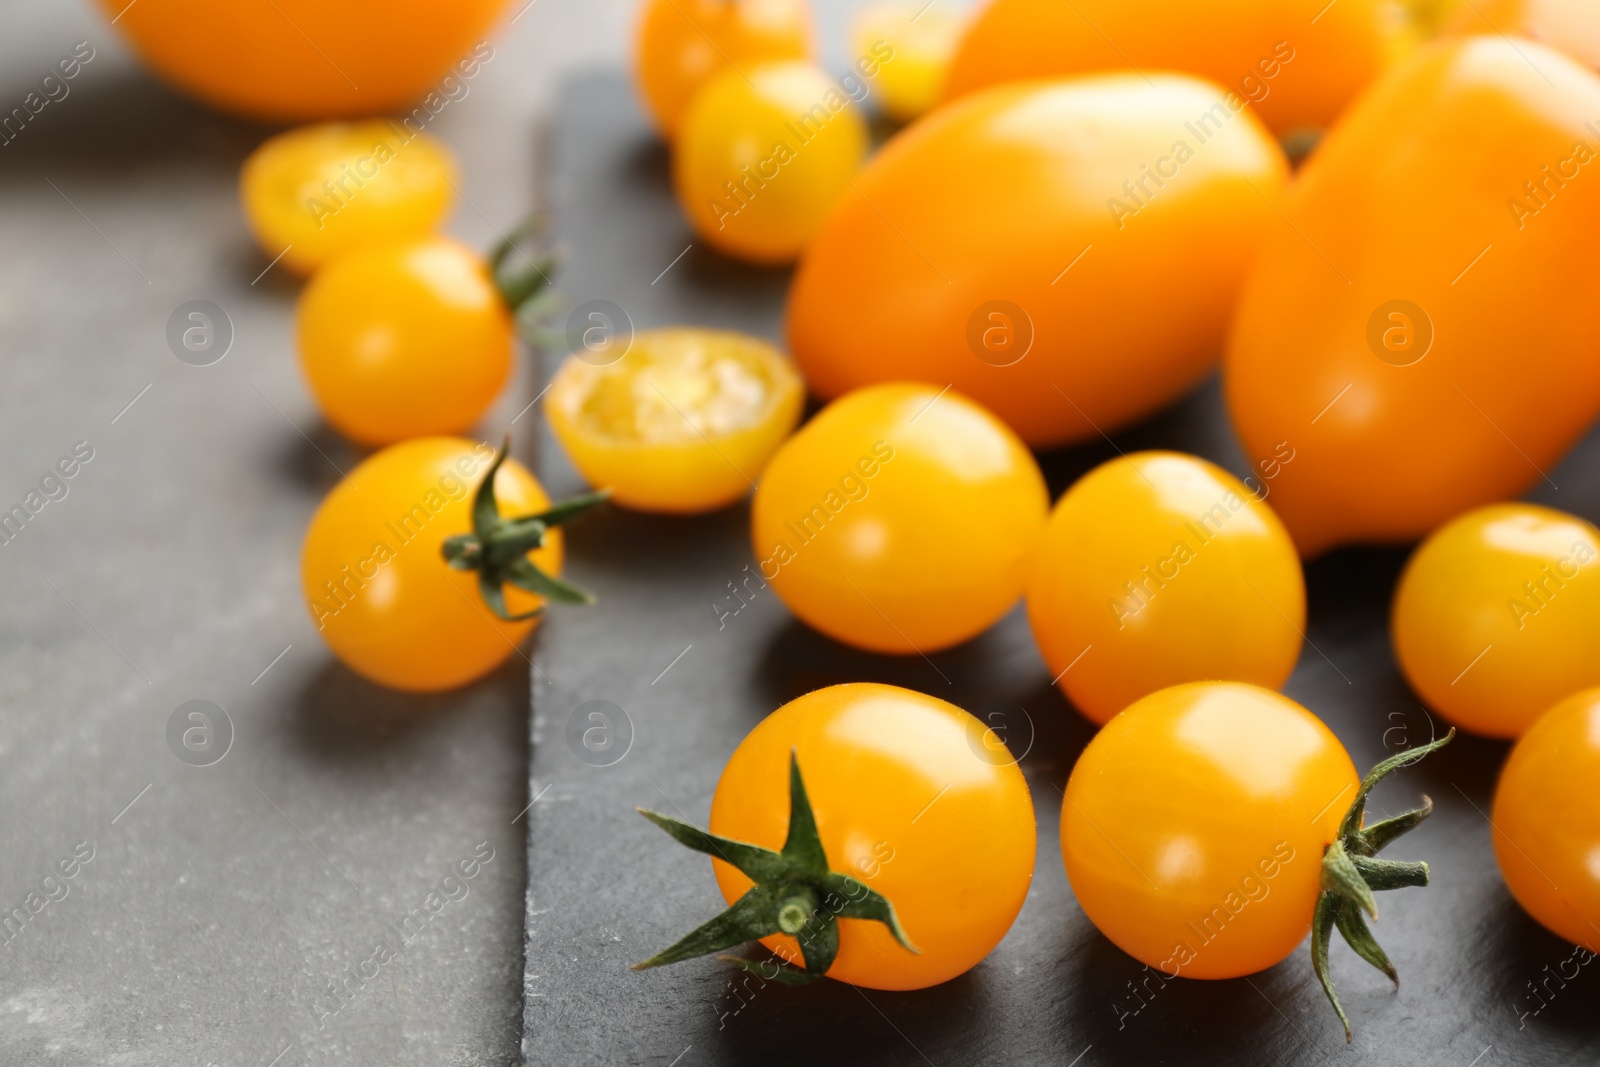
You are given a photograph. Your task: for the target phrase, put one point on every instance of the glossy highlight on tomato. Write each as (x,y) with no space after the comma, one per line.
(405,340)
(376,585)
(1497,616)
(1373,334)
(684,422)
(680,45)
(914,42)
(1546,820)
(1298,62)
(763,156)
(317,192)
(1570,26)
(900,519)
(293,60)
(1159,568)
(1066,253)
(874,757)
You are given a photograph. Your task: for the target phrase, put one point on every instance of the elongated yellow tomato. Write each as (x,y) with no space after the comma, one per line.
(1298,62)
(404,340)
(874,757)
(1427,354)
(1065,253)
(682,44)
(1571,26)
(1497,616)
(376,583)
(1547,820)
(1194,825)
(1160,568)
(763,156)
(912,44)
(320,191)
(900,519)
(684,422)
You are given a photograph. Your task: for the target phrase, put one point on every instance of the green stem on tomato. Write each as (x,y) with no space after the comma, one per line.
(1351,873)
(498,548)
(795,893)
(525,278)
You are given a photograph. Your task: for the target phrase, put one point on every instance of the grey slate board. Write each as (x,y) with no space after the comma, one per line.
(607,889)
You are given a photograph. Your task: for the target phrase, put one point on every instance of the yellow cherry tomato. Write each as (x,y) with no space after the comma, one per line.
(405,340)
(900,519)
(1547,820)
(375,581)
(1497,616)
(910,800)
(764,155)
(683,422)
(910,45)
(1194,825)
(1160,568)
(682,44)
(320,191)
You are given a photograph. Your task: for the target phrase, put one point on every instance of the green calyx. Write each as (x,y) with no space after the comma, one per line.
(795,893)
(498,548)
(524,267)
(1351,873)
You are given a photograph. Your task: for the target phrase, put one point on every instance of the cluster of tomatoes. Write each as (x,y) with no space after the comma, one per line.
(1090,203)
(1099,201)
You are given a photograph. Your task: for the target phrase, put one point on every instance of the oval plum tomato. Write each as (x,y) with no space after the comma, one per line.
(1159,568)
(1547,820)
(293,60)
(682,44)
(1295,75)
(900,519)
(909,45)
(1497,616)
(907,845)
(316,192)
(1209,826)
(683,422)
(405,340)
(1066,253)
(1570,26)
(1372,334)
(377,586)
(763,156)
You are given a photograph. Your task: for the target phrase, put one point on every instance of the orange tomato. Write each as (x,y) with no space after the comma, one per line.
(875,759)
(1428,351)
(292,60)
(1160,568)
(1572,26)
(1547,820)
(1065,253)
(375,580)
(681,44)
(1297,61)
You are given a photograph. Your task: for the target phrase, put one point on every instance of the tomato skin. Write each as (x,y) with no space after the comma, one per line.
(401,617)
(763,156)
(1547,820)
(320,191)
(1573,26)
(874,758)
(912,44)
(1194,824)
(1386,452)
(626,426)
(898,520)
(363,57)
(1257,49)
(1497,616)
(1233,605)
(404,340)
(993,199)
(682,44)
